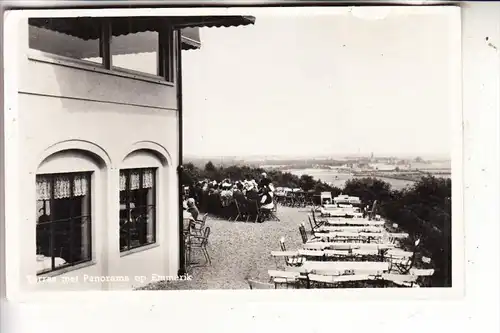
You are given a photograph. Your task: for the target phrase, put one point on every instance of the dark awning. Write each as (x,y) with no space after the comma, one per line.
(213,21)
(87,28)
(58,43)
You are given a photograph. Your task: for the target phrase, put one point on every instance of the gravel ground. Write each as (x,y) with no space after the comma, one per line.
(241,250)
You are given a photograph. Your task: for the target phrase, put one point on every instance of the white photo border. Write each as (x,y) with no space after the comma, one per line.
(392,307)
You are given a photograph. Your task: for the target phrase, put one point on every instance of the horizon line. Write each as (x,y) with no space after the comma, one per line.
(322,156)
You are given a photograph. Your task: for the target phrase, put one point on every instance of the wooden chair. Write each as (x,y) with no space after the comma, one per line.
(291,261)
(238,212)
(196,242)
(268,214)
(313,225)
(405,265)
(254,210)
(242,207)
(317,223)
(303,233)
(187,240)
(198,225)
(273,214)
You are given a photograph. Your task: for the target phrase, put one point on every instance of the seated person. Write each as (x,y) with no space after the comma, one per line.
(192,209)
(252,193)
(266,202)
(238,193)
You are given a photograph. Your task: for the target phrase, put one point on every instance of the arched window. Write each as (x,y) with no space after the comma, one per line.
(137,207)
(138,198)
(63,210)
(64,220)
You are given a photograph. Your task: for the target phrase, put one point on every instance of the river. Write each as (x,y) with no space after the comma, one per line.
(338,179)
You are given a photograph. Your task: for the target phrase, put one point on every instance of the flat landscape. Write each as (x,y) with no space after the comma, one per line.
(338,179)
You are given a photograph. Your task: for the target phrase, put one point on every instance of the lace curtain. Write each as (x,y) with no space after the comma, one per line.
(147,180)
(62,186)
(135,179)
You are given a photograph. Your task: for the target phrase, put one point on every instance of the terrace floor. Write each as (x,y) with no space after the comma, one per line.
(241,250)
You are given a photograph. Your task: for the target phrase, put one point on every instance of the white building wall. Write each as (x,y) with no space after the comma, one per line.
(64,106)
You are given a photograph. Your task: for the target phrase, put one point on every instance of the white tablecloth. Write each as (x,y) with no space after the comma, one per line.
(46,263)
(336,221)
(346,246)
(186,218)
(351,229)
(339,267)
(348,235)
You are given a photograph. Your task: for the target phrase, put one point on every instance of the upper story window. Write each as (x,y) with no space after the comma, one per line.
(118,44)
(137,52)
(50,41)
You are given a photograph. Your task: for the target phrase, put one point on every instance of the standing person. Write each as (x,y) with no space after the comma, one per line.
(264,181)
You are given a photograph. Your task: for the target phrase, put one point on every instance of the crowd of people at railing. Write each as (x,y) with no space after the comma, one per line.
(234,200)
(248,199)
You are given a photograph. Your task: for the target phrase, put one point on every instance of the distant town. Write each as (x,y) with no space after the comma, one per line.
(407,168)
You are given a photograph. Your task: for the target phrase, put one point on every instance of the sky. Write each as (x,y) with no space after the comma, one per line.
(319,85)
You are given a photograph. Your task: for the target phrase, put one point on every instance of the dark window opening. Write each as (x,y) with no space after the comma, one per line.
(110,43)
(137,208)
(63,231)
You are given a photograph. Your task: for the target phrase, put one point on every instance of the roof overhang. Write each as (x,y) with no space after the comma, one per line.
(191,38)
(88,28)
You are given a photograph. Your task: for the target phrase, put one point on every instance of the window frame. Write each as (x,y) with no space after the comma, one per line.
(67,265)
(165,56)
(154,205)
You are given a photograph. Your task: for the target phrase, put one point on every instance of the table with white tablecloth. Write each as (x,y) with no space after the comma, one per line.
(348,235)
(357,221)
(345,267)
(333,228)
(186,217)
(45,263)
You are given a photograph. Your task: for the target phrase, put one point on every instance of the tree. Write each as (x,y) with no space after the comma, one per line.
(189,166)
(210,167)
(307,182)
(368,189)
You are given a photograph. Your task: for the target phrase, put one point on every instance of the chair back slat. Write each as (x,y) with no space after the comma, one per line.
(303,234)
(206,233)
(314,216)
(239,211)
(203,220)
(282,244)
(311,224)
